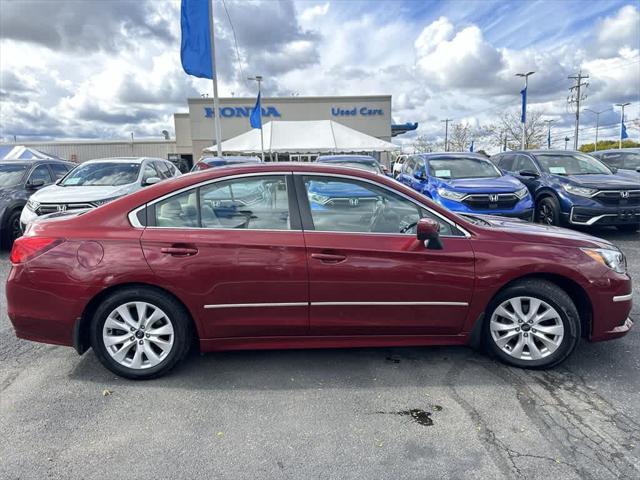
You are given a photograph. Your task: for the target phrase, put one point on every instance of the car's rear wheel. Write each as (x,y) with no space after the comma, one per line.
(11,231)
(629,228)
(532,324)
(140,333)
(548,211)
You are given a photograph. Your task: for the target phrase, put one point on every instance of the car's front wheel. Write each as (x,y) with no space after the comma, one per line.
(548,211)
(533,324)
(12,230)
(140,333)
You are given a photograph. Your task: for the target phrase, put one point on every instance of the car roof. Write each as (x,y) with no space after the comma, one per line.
(232,159)
(450,155)
(122,160)
(35,161)
(345,158)
(618,150)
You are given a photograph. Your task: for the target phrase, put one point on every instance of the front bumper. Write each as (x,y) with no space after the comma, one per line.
(612,300)
(604,216)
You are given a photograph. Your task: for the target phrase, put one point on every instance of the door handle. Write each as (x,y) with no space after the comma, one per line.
(329,257)
(179,251)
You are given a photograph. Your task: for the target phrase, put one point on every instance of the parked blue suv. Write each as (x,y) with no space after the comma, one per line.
(571,188)
(467,183)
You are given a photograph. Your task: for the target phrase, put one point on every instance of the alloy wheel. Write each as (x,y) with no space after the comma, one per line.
(545,214)
(138,335)
(15,229)
(526,328)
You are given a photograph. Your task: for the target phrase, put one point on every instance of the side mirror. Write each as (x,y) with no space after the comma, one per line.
(528,173)
(419,176)
(35,184)
(614,169)
(151,181)
(428,231)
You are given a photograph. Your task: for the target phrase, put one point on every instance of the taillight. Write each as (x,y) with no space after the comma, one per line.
(26,248)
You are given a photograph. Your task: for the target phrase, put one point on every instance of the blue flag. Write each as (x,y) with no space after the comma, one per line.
(523,117)
(195,48)
(471,146)
(549,139)
(623,132)
(255,119)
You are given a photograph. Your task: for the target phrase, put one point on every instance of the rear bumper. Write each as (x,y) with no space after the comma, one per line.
(604,216)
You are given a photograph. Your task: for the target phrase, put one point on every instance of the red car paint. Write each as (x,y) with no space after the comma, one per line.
(49,295)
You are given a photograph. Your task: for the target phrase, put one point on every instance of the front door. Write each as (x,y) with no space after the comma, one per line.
(234,249)
(368,273)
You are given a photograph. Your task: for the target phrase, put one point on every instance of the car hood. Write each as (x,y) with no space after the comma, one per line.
(504,184)
(601,181)
(523,231)
(57,194)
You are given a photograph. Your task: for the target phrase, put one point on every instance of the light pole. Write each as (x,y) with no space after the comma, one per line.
(549,122)
(524,107)
(446,133)
(597,114)
(621,121)
(258,78)
(566,140)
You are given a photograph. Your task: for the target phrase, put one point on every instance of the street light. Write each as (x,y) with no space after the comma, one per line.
(524,106)
(597,114)
(258,78)
(566,140)
(621,121)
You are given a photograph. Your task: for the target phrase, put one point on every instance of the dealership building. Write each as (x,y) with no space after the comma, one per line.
(194,129)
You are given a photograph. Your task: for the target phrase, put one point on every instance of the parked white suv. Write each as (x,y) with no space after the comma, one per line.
(96,182)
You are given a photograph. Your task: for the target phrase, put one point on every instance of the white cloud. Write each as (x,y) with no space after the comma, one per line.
(619,32)
(311,14)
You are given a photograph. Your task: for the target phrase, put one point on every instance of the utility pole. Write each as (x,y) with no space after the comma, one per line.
(446,133)
(523,117)
(597,114)
(549,122)
(621,121)
(575,97)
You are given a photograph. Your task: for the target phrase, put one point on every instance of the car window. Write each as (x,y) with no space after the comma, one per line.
(522,162)
(102,174)
(149,172)
(461,167)
(631,160)
(409,166)
(505,162)
(59,170)
(347,205)
(420,171)
(160,169)
(171,168)
(11,175)
(257,203)
(41,172)
(571,164)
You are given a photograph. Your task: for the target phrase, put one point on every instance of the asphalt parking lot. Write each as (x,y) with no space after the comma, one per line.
(365,413)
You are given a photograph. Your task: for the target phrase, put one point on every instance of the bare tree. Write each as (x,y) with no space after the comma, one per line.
(509,126)
(423,145)
(461,136)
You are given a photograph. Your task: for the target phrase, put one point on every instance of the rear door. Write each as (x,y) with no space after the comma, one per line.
(235,248)
(368,273)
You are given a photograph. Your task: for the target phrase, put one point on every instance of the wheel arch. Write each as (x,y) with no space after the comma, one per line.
(81,341)
(577,293)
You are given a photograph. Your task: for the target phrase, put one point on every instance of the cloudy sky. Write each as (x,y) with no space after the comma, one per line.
(105,68)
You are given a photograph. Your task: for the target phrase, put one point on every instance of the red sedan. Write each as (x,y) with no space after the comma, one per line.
(275,256)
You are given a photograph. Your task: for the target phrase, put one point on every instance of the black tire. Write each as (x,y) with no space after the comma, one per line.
(11,229)
(178,316)
(553,296)
(629,227)
(547,211)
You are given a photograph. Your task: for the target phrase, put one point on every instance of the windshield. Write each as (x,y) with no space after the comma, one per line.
(10,175)
(102,174)
(573,164)
(462,168)
(631,160)
(369,167)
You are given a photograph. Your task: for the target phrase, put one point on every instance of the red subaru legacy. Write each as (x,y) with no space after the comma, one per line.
(307,256)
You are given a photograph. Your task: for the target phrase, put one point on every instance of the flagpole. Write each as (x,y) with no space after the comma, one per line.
(621,121)
(217,130)
(259,80)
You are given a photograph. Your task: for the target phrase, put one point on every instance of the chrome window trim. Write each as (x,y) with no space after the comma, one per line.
(407,197)
(136,224)
(623,298)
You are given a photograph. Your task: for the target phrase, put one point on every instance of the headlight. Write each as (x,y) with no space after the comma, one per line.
(321,199)
(522,193)
(457,196)
(99,203)
(33,205)
(614,259)
(580,191)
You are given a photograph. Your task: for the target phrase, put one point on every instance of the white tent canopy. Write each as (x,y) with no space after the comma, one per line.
(314,136)
(20,152)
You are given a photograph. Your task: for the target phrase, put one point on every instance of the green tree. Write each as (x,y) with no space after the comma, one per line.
(608,144)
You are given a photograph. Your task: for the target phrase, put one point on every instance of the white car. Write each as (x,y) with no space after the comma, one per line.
(96,182)
(397,165)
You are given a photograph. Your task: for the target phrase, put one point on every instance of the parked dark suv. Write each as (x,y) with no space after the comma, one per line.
(572,188)
(18,180)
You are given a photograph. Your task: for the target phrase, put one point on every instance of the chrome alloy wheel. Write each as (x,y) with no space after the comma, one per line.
(526,328)
(138,335)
